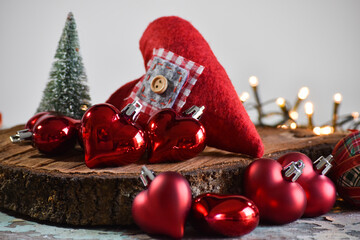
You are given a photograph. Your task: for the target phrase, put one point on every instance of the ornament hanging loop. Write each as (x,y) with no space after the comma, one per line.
(294,168)
(146,176)
(21,135)
(195,111)
(324,163)
(132,109)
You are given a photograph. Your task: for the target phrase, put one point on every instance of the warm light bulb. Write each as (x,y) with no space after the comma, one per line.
(337,98)
(294,115)
(253,81)
(293,125)
(83,107)
(326,130)
(317,130)
(355,115)
(280,101)
(244,96)
(303,93)
(309,108)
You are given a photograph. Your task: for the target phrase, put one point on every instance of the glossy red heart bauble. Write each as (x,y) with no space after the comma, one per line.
(320,190)
(279,200)
(229,215)
(53,134)
(109,138)
(163,208)
(173,138)
(33,120)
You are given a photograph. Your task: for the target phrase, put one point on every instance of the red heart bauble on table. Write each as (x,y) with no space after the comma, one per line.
(173,138)
(54,134)
(278,199)
(49,132)
(110,138)
(163,208)
(32,121)
(320,190)
(229,215)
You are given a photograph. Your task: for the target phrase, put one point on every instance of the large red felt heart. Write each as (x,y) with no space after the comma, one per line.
(172,138)
(163,208)
(226,121)
(109,138)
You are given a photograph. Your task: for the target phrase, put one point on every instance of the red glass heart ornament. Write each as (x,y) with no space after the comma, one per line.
(49,132)
(53,134)
(110,137)
(164,206)
(320,190)
(173,138)
(278,199)
(228,215)
(32,121)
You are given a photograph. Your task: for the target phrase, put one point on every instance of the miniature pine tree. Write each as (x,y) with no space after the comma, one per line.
(66,92)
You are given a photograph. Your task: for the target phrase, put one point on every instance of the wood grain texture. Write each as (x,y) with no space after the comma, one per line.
(62,189)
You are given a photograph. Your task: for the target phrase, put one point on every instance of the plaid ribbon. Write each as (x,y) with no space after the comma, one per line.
(181,73)
(347,160)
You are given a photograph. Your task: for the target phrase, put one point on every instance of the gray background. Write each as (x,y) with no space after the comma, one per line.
(287,44)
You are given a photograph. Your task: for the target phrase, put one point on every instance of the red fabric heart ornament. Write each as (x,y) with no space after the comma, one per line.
(226,121)
(109,138)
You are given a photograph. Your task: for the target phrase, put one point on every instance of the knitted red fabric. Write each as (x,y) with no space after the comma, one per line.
(226,121)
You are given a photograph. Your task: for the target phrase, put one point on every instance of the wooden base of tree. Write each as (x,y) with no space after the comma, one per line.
(61,189)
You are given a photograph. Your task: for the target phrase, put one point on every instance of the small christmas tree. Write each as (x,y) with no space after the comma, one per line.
(66,92)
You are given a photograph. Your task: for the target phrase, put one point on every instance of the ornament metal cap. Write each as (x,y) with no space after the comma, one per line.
(195,112)
(132,109)
(295,168)
(21,135)
(146,176)
(325,163)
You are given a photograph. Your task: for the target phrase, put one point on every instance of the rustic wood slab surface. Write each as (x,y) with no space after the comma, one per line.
(61,189)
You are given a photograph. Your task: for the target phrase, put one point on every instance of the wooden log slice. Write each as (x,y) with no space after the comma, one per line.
(61,189)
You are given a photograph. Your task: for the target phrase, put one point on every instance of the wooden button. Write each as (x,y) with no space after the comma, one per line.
(159,84)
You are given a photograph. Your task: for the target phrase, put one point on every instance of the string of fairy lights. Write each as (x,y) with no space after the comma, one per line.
(290,114)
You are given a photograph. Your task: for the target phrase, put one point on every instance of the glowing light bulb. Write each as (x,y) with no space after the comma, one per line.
(309,108)
(317,130)
(337,98)
(280,102)
(293,125)
(244,96)
(303,93)
(253,81)
(83,107)
(294,115)
(355,115)
(326,130)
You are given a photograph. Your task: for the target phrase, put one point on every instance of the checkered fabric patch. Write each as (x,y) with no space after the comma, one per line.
(181,74)
(350,178)
(345,149)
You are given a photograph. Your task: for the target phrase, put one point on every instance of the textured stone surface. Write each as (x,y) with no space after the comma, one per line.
(337,224)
